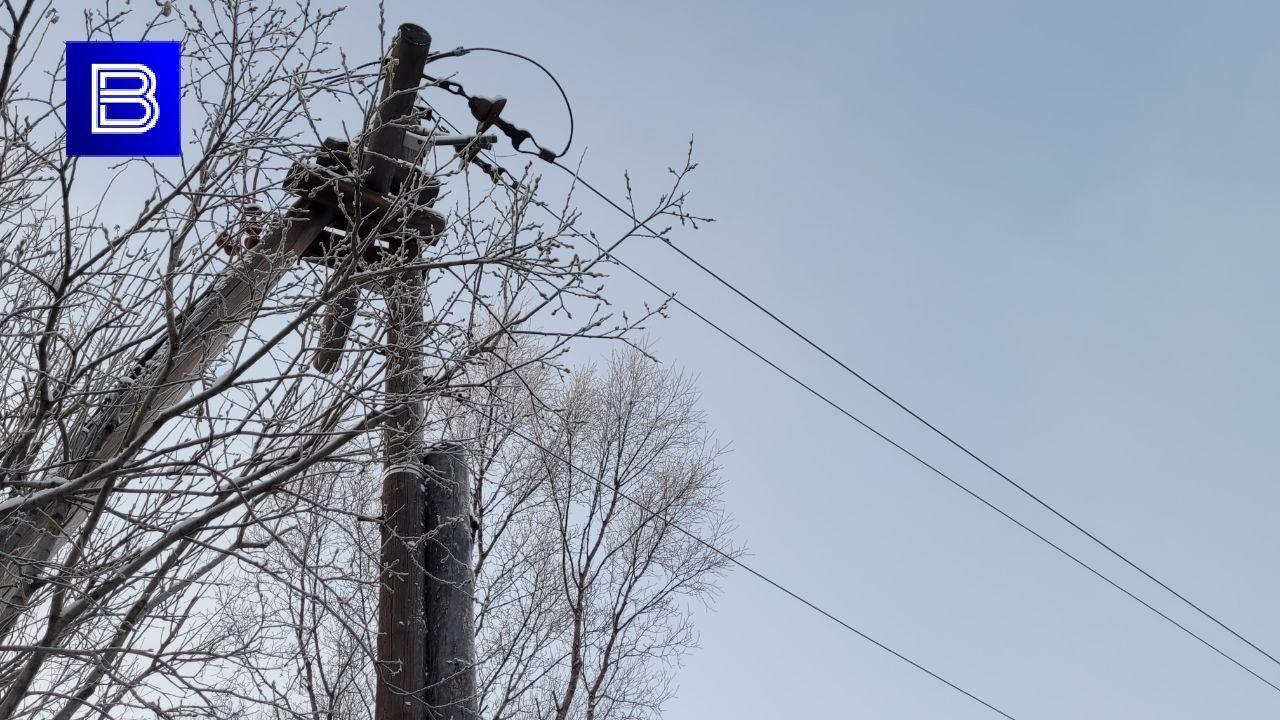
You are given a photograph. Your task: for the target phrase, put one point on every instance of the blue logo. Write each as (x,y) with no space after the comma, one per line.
(124,98)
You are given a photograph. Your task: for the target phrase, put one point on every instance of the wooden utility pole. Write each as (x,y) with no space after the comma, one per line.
(402,638)
(451,674)
(426,633)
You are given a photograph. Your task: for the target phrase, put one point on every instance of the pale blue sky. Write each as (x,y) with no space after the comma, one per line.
(1050,228)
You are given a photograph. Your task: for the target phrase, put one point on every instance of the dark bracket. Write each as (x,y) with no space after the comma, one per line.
(328,177)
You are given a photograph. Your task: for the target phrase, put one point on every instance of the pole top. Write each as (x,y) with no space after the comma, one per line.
(415,34)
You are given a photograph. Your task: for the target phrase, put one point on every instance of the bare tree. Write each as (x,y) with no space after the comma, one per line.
(586,565)
(585,484)
(217,556)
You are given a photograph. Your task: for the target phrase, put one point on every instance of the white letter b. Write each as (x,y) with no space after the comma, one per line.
(103,97)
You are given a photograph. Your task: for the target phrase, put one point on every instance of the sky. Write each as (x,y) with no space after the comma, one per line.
(1050,228)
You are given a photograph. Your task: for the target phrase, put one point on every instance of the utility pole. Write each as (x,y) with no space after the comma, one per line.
(402,628)
(451,673)
(426,633)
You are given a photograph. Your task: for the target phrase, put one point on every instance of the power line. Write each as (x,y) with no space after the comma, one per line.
(957,444)
(500,170)
(940,473)
(938,431)
(862,378)
(933,468)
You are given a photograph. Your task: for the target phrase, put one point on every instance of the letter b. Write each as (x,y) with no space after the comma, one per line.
(102,97)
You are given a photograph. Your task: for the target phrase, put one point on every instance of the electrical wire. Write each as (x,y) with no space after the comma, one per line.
(577,178)
(901,448)
(939,472)
(459,52)
(938,431)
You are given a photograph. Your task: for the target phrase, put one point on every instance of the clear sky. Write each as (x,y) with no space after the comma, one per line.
(1048,227)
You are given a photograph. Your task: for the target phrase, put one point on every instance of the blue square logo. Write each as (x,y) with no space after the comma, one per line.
(124,98)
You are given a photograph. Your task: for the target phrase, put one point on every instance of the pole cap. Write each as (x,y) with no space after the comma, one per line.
(415,34)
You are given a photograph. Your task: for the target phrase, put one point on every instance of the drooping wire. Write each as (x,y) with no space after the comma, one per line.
(458,90)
